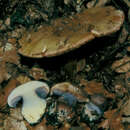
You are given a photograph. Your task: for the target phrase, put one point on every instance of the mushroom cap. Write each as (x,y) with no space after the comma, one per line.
(66,34)
(32,93)
(67,92)
(91,112)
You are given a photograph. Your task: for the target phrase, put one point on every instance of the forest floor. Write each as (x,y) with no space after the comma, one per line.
(101,68)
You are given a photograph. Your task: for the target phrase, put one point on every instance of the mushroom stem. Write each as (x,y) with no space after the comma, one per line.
(33,107)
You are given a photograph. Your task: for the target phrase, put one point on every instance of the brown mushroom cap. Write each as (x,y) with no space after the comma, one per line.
(66,34)
(66,91)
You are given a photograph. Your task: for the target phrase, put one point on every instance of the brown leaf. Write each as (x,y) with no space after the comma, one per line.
(127,80)
(108,114)
(13,124)
(11,57)
(12,41)
(122,65)
(126,109)
(3,72)
(99,3)
(123,35)
(129,15)
(38,73)
(104,124)
(6,91)
(8,53)
(115,119)
(81,126)
(41,126)
(2,117)
(93,87)
(128,49)
(81,65)
(22,79)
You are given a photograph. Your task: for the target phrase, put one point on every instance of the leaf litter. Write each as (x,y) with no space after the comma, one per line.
(89,67)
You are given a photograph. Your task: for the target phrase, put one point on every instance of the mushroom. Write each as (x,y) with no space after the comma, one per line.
(68,93)
(66,34)
(33,94)
(64,99)
(91,112)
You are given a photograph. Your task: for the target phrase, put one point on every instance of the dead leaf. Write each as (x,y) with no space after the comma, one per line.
(115,119)
(3,72)
(2,118)
(127,80)
(128,49)
(16,114)
(104,124)
(11,57)
(122,65)
(6,91)
(93,87)
(23,79)
(41,126)
(126,109)
(99,3)
(9,54)
(12,41)
(70,68)
(129,15)
(123,35)
(38,73)
(127,2)
(80,65)
(13,124)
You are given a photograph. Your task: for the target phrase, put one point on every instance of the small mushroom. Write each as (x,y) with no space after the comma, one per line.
(33,94)
(62,108)
(91,112)
(66,34)
(69,93)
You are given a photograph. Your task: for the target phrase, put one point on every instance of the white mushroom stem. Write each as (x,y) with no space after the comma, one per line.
(33,108)
(33,104)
